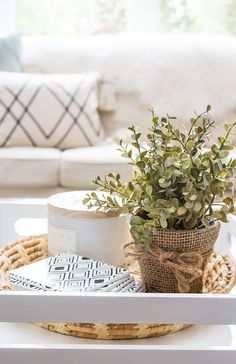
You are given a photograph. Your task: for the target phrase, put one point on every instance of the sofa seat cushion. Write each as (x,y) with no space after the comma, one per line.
(81,165)
(29,167)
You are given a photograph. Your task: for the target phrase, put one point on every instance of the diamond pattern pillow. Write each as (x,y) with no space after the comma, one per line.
(49,110)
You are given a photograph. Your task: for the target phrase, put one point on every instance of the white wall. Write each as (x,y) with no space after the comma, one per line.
(143,16)
(7,17)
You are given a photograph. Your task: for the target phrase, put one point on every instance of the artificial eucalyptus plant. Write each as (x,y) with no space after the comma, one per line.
(177,183)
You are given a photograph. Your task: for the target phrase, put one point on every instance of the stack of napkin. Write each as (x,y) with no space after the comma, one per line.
(71,272)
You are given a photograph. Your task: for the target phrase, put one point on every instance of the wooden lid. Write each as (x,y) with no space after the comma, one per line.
(71,204)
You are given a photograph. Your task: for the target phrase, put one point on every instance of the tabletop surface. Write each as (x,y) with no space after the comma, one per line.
(197,335)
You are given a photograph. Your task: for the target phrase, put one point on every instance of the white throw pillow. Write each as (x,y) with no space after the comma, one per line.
(49,110)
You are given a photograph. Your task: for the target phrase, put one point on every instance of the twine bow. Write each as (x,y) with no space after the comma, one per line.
(186,266)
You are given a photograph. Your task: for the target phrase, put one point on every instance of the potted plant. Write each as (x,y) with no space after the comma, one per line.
(178,193)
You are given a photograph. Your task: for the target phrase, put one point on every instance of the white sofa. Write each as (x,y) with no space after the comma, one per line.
(173,73)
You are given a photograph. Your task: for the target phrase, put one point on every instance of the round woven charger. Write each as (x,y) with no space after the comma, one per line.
(219,277)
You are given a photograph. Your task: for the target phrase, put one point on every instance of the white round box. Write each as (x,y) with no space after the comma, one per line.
(72,227)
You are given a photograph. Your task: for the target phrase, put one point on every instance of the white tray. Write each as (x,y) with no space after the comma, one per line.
(25,343)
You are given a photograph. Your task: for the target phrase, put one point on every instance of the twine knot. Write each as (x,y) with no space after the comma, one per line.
(165,257)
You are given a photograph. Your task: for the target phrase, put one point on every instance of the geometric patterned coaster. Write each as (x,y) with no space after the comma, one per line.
(73,272)
(27,284)
(67,272)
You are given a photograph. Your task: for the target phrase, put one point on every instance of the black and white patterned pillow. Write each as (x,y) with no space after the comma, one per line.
(49,110)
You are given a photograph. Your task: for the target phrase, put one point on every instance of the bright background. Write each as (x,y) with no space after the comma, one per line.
(77,17)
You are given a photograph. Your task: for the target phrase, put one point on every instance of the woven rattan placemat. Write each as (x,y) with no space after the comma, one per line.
(218,277)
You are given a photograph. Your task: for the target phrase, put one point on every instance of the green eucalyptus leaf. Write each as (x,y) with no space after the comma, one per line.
(140,164)
(181,210)
(163,222)
(135,145)
(233,163)
(223,154)
(189,204)
(190,144)
(193,197)
(197,207)
(148,190)
(172,209)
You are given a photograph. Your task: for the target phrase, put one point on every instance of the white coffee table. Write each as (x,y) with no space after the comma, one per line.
(26,343)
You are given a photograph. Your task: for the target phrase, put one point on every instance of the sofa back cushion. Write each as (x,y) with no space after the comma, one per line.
(49,110)
(10,52)
(175,73)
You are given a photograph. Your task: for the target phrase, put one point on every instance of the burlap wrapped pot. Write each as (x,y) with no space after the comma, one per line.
(176,259)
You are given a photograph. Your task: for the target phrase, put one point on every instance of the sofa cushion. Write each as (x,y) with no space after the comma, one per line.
(175,73)
(80,166)
(28,166)
(49,110)
(10,52)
